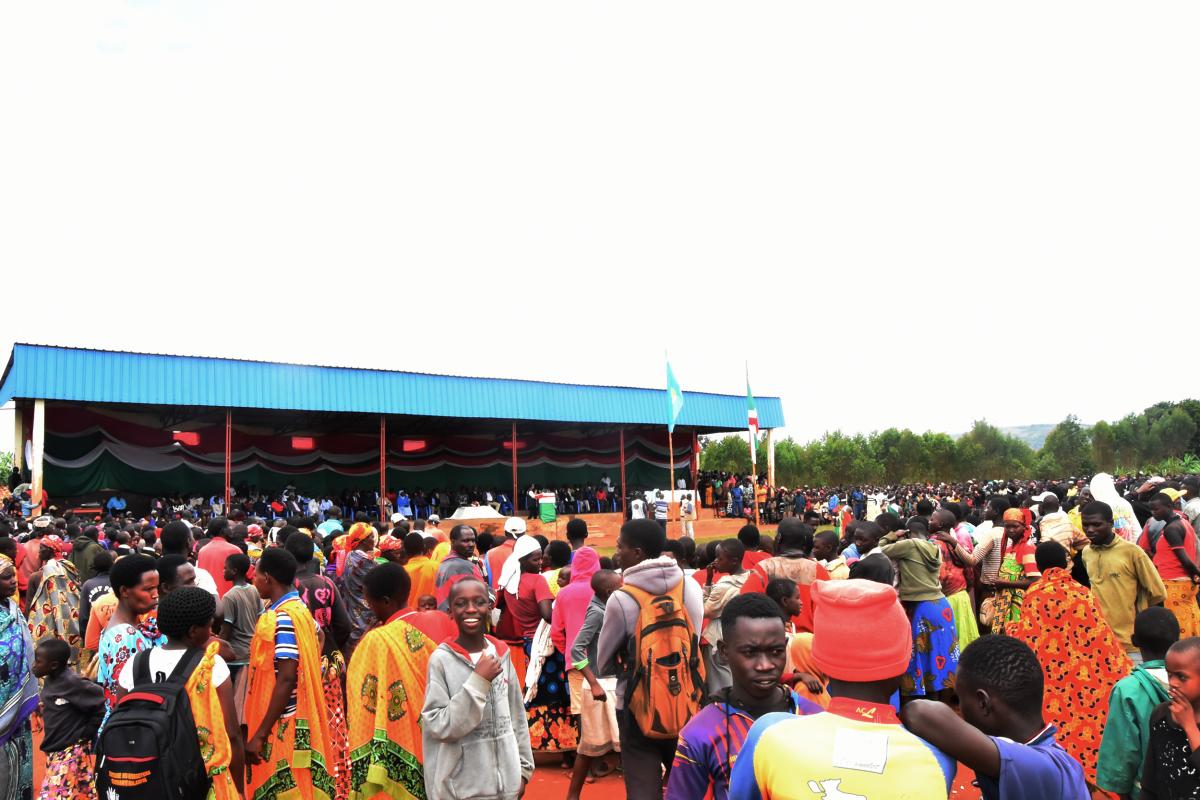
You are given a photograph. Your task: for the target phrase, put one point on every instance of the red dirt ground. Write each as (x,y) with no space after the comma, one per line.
(550,782)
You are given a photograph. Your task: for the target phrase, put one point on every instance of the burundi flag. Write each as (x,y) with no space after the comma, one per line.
(674,399)
(547,507)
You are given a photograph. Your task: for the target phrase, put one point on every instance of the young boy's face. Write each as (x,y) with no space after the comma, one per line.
(427,602)
(469,607)
(42,666)
(1183,673)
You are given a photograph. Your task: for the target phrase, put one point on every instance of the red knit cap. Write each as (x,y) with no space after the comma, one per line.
(860,631)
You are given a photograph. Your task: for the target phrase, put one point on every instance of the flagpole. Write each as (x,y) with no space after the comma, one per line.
(674,404)
(671,461)
(753,456)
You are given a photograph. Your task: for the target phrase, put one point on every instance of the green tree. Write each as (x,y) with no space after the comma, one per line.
(1068,449)
(6,466)
(725,454)
(986,452)
(1104,452)
(1129,441)
(1172,433)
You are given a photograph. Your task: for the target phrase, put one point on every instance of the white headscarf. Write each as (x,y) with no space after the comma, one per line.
(510,573)
(1125,522)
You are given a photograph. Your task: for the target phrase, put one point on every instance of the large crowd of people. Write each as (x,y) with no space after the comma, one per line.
(1046,636)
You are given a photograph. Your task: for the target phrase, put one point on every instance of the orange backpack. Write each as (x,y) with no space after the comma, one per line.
(666,681)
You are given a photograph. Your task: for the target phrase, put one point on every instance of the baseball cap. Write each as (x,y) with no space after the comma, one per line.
(514,525)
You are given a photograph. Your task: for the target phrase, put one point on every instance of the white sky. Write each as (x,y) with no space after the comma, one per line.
(911,214)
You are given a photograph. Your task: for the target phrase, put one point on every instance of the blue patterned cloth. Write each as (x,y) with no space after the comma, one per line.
(19,698)
(934,661)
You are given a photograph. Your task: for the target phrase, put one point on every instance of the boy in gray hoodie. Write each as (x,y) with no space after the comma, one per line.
(475,734)
(640,548)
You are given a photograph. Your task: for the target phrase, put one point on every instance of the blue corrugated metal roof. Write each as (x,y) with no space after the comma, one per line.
(105,376)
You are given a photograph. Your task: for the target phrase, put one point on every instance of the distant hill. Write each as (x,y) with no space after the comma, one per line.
(1035,435)
(1032,435)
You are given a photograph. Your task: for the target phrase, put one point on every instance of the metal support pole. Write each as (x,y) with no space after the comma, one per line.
(382,468)
(695,462)
(622,457)
(515,496)
(771,458)
(228,457)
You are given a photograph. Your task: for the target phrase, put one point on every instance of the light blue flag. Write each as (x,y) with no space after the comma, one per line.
(674,399)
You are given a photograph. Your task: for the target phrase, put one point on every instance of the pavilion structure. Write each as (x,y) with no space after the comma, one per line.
(89,422)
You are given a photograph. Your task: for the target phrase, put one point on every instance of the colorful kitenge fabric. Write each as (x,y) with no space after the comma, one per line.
(118,644)
(297,758)
(1181,601)
(387,680)
(358,564)
(16,765)
(1080,656)
(934,661)
(18,700)
(333,670)
(54,609)
(552,727)
(69,774)
(1008,601)
(215,747)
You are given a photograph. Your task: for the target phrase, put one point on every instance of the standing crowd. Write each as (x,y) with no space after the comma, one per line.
(1046,637)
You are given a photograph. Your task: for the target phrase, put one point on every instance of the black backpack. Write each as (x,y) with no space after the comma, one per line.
(148,749)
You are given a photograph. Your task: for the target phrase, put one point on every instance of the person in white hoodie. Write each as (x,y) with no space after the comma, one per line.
(640,547)
(475,737)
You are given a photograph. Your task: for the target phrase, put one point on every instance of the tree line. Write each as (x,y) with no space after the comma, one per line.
(1164,438)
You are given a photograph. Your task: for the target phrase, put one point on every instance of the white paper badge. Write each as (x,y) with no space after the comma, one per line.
(863,751)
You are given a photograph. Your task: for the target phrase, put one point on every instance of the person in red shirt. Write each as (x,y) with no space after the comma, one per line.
(1170,542)
(752,539)
(213,553)
(495,558)
(793,562)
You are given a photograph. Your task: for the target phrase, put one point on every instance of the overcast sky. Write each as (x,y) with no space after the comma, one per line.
(910,214)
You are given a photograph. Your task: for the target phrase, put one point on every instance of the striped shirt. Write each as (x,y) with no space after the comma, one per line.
(286,646)
(660,509)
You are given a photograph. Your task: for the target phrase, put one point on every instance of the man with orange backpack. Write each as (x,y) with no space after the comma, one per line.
(650,639)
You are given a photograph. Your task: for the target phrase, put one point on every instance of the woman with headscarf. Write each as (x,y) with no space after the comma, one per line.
(1079,653)
(1018,570)
(54,597)
(18,692)
(360,559)
(525,603)
(1125,521)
